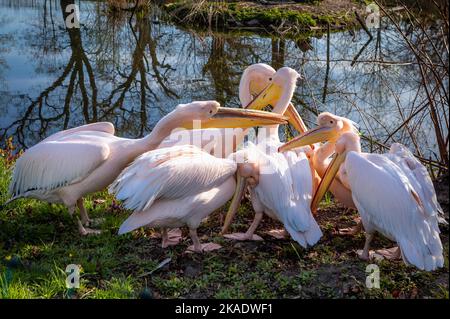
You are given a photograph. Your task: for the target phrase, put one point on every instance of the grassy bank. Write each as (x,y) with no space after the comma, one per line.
(38,240)
(272,17)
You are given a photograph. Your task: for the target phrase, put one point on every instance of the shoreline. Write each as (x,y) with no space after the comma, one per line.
(287,19)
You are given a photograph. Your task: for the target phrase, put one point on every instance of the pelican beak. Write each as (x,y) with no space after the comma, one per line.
(232,210)
(294,119)
(269,96)
(327,179)
(271,93)
(239,118)
(316,135)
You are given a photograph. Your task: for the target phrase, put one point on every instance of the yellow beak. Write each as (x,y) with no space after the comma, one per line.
(269,96)
(239,118)
(316,135)
(294,119)
(327,179)
(232,210)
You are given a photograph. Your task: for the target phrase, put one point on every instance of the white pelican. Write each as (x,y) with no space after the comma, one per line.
(285,183)
(223,142)
(176,186)
(71,164)
(330,128)
(386,200)
(320,158)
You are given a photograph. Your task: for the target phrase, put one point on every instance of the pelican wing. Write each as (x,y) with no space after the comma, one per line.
(387,202)
(105,127)
(285,187)
(419,178)
(302,191)
(170,173)
(53,164)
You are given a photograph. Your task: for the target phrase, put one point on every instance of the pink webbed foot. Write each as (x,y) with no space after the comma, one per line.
(389,253)
(172,238)
(278,233)
(243,237)
(204,248)
(351,231)
(88,231)
(371,255)
(94,222)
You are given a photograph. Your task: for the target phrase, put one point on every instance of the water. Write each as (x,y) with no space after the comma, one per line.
(132,73)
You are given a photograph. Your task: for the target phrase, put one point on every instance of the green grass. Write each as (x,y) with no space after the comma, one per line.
(226,15)
(38,240)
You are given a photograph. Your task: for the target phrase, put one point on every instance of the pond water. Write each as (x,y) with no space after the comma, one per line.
(132,72)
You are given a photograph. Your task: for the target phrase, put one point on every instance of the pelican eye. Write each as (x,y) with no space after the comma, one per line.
(210,111)
(270,79)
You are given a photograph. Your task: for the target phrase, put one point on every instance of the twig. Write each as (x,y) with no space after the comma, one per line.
(363,24)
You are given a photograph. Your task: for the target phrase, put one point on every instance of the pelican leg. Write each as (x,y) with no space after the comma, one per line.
(83,213)
(198,247)
(81,229)
(352,231)
(364,255)
(85,217)
(250,233)
(171,237)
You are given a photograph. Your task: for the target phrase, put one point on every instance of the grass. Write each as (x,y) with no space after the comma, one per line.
(288,21)
(38,240)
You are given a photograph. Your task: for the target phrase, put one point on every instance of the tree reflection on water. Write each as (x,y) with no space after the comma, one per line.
(131,70)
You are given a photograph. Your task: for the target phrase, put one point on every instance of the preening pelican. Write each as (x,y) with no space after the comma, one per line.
(223,142)
(177,186)
(330,128)
(387,201)
(73,163)
(320,158)
(284,189)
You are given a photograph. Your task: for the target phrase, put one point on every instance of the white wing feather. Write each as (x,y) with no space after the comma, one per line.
(387,203)
(419,178)
(303,187)
(170,173)
(54,164)
(105,127)
(285,187)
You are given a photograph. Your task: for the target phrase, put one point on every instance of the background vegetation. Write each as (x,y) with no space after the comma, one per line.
(409,53)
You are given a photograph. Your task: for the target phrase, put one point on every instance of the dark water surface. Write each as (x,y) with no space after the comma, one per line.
(132,72)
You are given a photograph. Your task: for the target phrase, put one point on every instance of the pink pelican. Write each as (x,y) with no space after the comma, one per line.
(284,190)
(222,142)
(176,186)
(73,163)
(396,201)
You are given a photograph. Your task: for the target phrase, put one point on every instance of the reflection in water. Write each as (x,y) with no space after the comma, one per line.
(133,71)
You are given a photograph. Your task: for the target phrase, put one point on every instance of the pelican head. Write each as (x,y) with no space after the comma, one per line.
(330,127)
(282,82)
(247,173)
(254,79)
(269,87)
(212,115)
(347,142)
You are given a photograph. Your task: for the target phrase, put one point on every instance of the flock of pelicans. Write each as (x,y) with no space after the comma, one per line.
(169,184)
